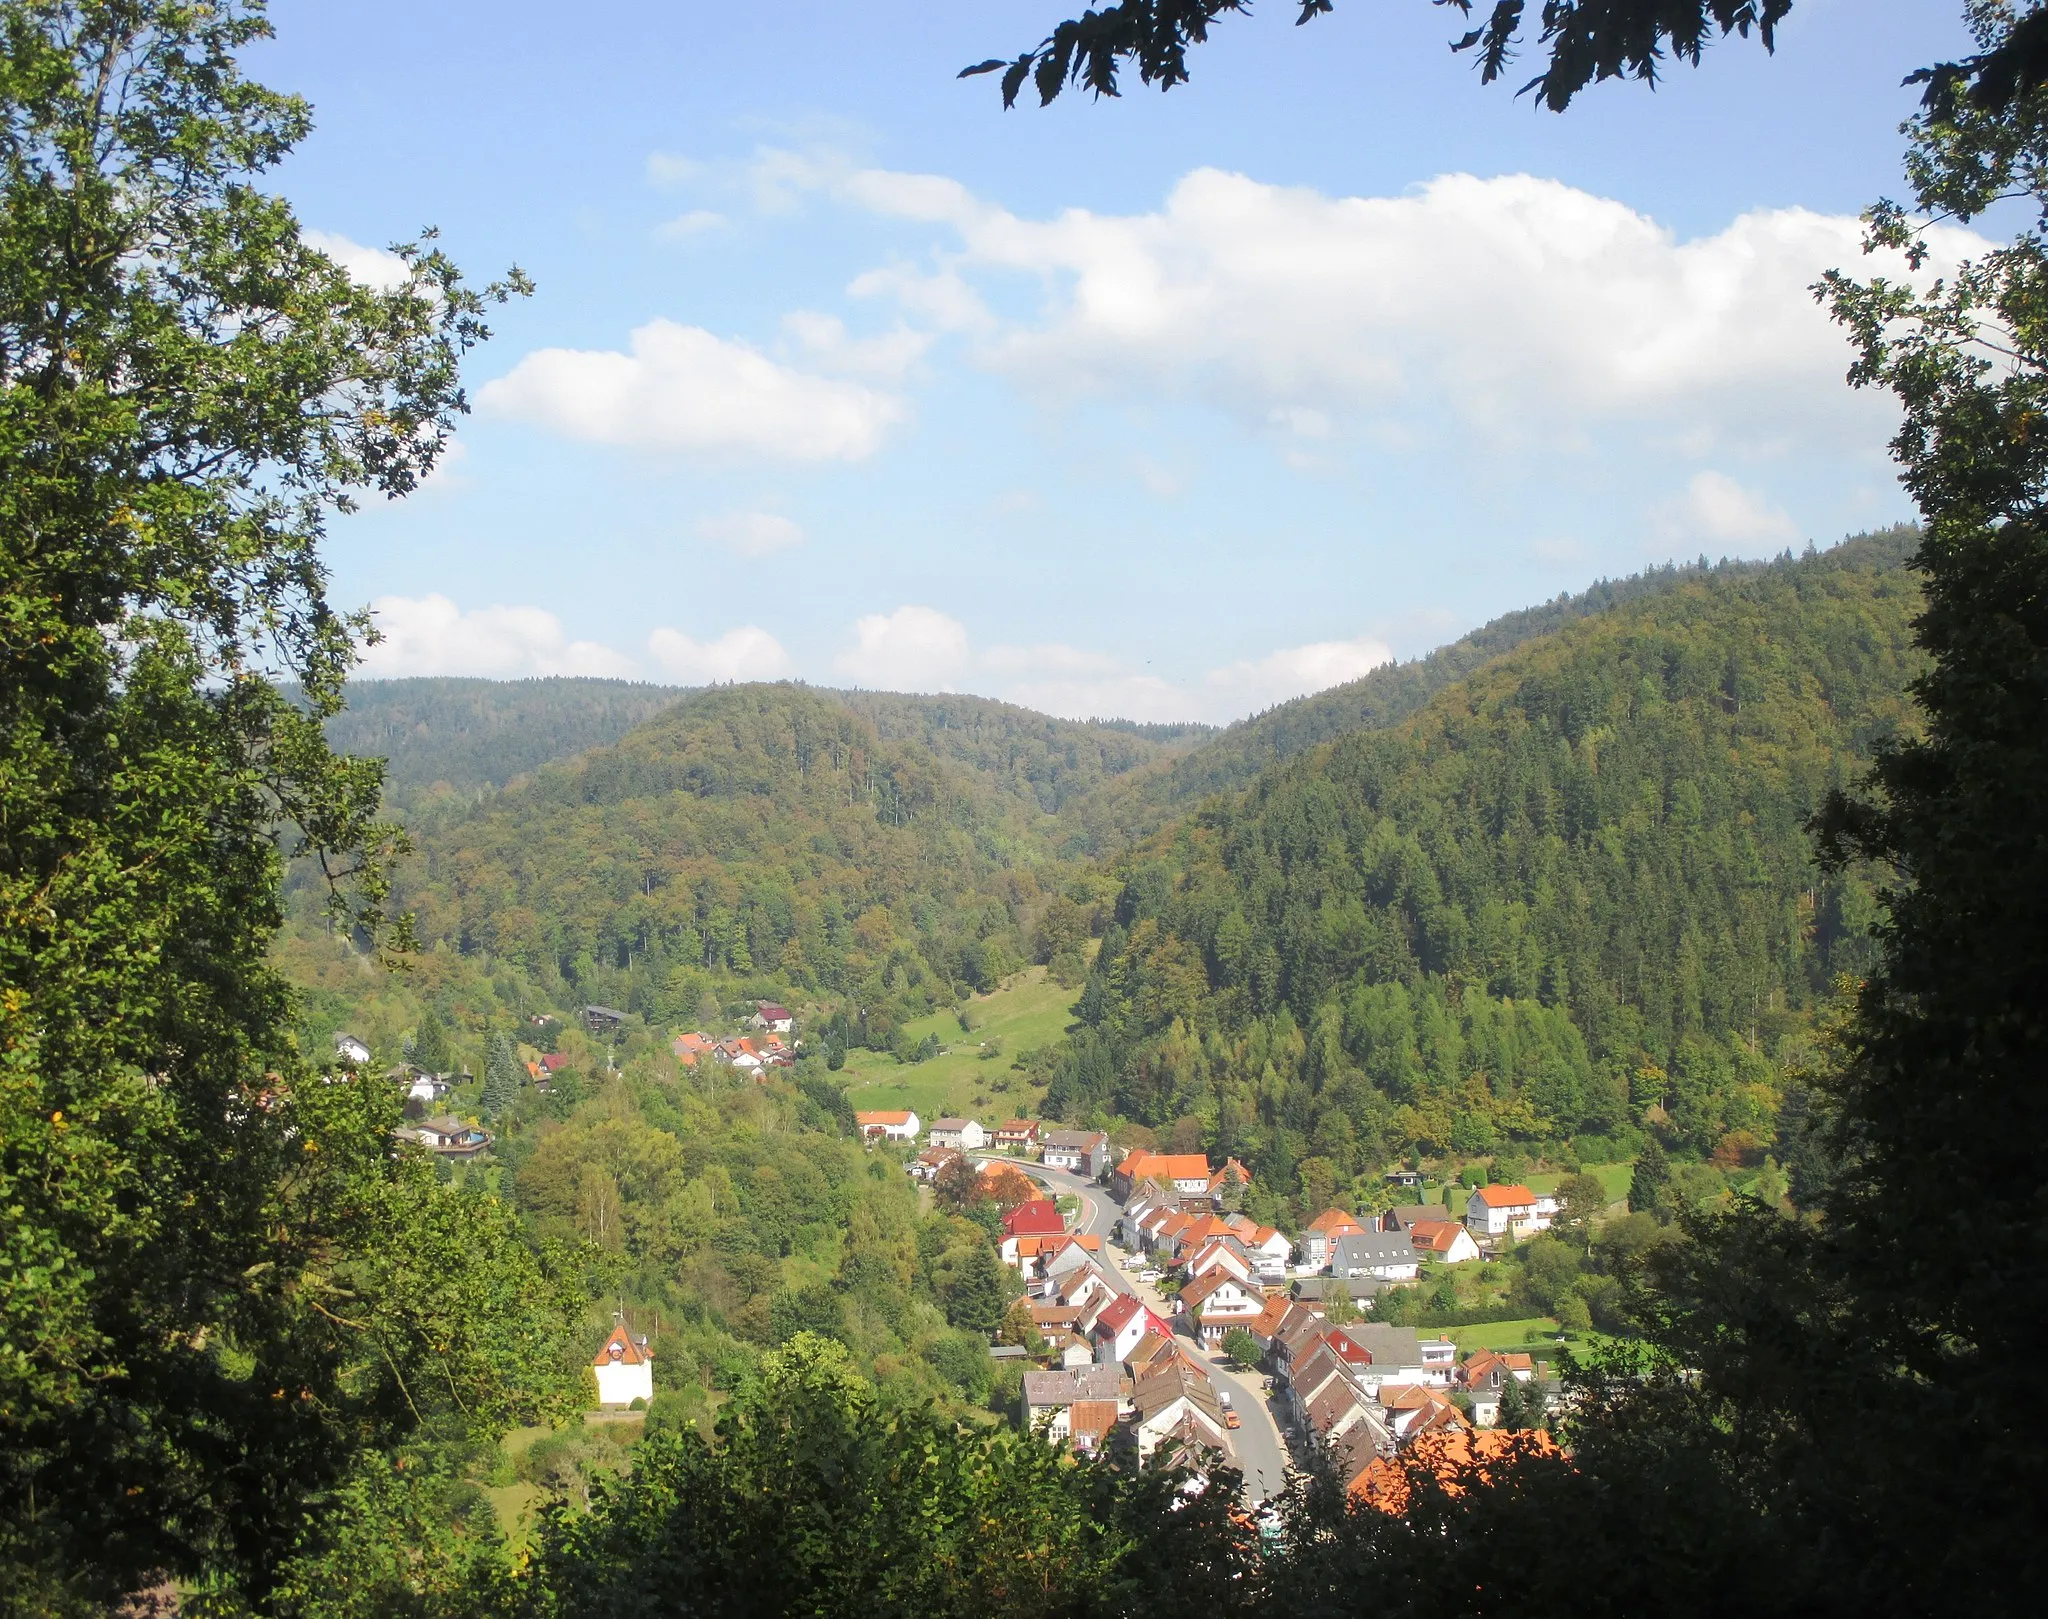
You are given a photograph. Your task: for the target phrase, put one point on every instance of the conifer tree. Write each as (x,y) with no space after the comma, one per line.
(501,1076)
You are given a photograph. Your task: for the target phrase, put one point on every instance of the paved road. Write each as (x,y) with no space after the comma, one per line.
(1261,1454)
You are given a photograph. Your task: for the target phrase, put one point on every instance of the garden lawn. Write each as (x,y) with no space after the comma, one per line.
(1028,1010)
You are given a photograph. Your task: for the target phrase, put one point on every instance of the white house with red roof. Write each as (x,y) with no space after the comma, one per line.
(772,1019)
(887,1125)
(624,1368)
(1218,1302)
(1322,1233)
(1445,1241)
(1124,1321)
(1508,1211)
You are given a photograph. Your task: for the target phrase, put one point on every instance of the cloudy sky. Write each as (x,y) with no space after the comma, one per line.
(1168,408)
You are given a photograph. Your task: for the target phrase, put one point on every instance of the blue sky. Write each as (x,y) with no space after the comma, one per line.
(1170,407)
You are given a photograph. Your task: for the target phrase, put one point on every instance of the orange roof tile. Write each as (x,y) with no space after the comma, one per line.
(1456,1457)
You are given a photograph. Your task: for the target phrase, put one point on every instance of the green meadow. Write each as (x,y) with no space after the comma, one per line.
(1027,1011)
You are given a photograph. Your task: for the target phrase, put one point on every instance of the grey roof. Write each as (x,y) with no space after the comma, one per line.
(1077,1383)
(1404,1215)
(1365,1249)
(1313,1289)
(1083,1139)
(1388,1346)
(951,1124)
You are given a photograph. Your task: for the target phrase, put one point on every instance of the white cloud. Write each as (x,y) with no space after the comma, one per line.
(922,649)
(746,653)
(1255,683)
(911,649)
(825,337)
(694,223)
(751,534)
(672,169)
(430,635)
(372,266)
(1520,306)
(682,388)
(1717,510)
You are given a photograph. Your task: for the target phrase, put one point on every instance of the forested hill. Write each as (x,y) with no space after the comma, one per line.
(1140,803)
(470,735)
(1574,887)
(872,848)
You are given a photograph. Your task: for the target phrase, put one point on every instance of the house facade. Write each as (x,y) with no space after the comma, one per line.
(1388,1256)
(1321,1232)
(963,1135)
(624,1369)
(885,1125)
(1084,1152)
(772,1019)
(1494,1212)
(1018,1135)
(451,1138)
(1445,1241)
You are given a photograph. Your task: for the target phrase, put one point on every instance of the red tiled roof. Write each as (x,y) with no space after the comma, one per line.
(1039,1217)
(1334,1222)
(630,1353)
(883,1117)
(1506,1197)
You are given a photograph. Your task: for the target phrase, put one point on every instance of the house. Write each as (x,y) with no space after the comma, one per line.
(1360,1290)
(1224,1254)
(1439,1362)
(1187,1173)
(1485,1404)
(1019,1135)
(427,1088)
(927,1164)
(1122,1323)
(1494,1212)
(1233,1176)
(1085,1152)
(1267,1245)
(1038,1218)
(1218,1302)
(1347,1424)
(1491,1369)
(888,1126)
(772,1019)
(1267,1324)
(451,1138)
(1321,1232)
(1087,1288)
(1392,1355)
(1445,1241)
(1387,1255)
(1161,1403)
(1049,1397)
(603,1021)
(624,1368)
(689,1047)
(348,1049)
(1404,1216)
(963,1134)
(1088,1425)
(1411,1410)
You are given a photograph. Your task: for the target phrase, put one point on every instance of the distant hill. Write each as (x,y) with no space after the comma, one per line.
(1570,889)
(879,847)
(473,735)
(1138,804)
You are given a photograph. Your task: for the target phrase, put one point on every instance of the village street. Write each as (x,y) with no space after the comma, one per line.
(1261,1451)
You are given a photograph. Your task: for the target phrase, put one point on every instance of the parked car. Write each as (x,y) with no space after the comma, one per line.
(1231,1419)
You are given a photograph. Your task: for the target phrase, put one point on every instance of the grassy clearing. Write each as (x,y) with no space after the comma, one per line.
(1614,1177)
(1500,1334)
(1028,1010)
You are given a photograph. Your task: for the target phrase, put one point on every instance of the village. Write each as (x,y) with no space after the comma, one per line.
(1163,1320)
(1153,1316)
